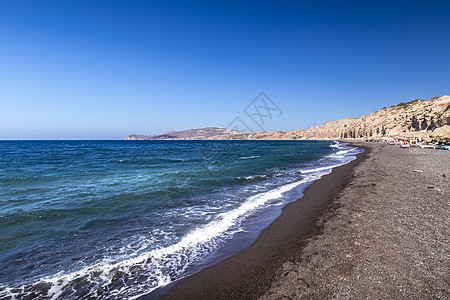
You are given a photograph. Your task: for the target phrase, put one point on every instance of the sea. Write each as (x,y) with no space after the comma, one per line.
(119,219)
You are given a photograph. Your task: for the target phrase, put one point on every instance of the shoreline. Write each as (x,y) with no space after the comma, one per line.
(249,273)
(387,238)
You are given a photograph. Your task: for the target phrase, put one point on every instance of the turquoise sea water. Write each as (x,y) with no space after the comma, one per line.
(116,219)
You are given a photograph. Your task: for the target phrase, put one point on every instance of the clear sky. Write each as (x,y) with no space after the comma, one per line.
(106,69)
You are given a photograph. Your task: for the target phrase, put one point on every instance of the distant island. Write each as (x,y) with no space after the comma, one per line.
(417,119)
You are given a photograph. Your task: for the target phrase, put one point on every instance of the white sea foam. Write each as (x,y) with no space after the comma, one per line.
(106,269)
(326,168)
(251,177)
(249,157)
(159,267)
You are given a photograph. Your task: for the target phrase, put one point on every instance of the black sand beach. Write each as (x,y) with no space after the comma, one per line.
(386,237)
(376,228)
(249,273)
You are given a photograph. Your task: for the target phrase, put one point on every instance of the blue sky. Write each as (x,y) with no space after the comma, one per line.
(106,69)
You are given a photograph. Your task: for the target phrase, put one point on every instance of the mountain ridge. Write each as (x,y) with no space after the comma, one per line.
(189,134)
(417,119)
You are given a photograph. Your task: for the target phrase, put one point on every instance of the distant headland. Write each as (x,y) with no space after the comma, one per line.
(417,119)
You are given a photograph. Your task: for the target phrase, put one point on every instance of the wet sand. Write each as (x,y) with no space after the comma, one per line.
(249,273)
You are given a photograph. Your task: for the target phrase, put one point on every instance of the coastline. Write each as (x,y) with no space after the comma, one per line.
(388,237)
(249,273)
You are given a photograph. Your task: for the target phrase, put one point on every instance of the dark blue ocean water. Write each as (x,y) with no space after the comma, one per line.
(115,219)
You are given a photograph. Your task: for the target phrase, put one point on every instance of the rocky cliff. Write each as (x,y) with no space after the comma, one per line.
(423,119)
(418,118)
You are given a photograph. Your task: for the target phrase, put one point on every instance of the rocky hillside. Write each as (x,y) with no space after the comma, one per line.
(423,119)
(190,134)
(418,118)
